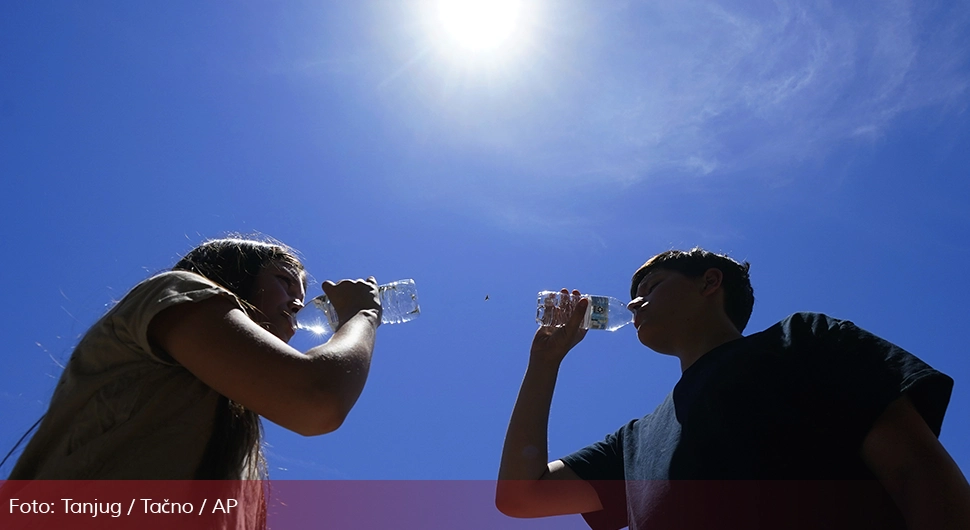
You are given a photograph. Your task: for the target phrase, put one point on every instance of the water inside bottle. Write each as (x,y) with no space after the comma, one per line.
(603,312)
(554,309)
(313,317)
(399,302)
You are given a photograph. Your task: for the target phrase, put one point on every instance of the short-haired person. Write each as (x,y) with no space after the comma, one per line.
(811,423)
(171,382)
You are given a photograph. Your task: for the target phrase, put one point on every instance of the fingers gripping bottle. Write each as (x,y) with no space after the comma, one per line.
(399,303)
(603,312)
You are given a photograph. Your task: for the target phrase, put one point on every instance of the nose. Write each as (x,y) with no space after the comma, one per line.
(635,303)
(295,305)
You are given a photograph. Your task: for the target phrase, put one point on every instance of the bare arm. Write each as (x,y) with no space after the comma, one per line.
(922,478)
(528,486)
(308,393)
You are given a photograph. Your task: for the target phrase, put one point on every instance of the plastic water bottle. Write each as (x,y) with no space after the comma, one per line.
(399,303)
(603,312)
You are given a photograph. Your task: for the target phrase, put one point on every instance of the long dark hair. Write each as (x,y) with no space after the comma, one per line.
(235,450)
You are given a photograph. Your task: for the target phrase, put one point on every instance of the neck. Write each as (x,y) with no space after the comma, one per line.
(716,333)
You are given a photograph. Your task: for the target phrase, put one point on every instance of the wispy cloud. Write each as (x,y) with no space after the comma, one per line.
(731,88)
(703,87)
(616,93)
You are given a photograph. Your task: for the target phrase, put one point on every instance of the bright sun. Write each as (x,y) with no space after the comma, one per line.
(479,25)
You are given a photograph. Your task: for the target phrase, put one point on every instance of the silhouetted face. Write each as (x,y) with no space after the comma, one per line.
(666,308)
(278,294)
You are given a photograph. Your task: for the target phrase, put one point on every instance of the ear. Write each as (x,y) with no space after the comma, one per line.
(711,281)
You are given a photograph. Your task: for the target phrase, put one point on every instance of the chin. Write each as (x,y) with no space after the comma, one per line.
(651,342)
(643,335)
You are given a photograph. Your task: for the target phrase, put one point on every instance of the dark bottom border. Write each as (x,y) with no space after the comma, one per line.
(406,504)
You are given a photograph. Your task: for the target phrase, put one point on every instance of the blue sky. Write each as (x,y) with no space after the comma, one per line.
(819,141)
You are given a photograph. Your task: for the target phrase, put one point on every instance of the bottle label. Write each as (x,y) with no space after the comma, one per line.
(599,317)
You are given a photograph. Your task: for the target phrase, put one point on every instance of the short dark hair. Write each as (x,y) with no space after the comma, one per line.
(738,293)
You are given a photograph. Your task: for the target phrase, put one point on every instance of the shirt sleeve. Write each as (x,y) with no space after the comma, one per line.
(890,372)
(133,314)
(601,465)
(855,375)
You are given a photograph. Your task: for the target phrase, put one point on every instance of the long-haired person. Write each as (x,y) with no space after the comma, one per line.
(171,382)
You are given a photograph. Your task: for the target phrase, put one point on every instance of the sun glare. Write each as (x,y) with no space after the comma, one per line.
(479,25)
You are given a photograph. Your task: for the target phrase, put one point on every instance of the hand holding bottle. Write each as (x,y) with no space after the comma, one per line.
(552,343)
(349,297)
(398,303)
(604,312)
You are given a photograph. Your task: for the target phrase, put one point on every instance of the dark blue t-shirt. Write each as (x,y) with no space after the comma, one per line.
(785,410)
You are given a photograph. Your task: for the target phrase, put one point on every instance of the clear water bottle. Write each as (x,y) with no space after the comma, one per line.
(603,312)
(399,303)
